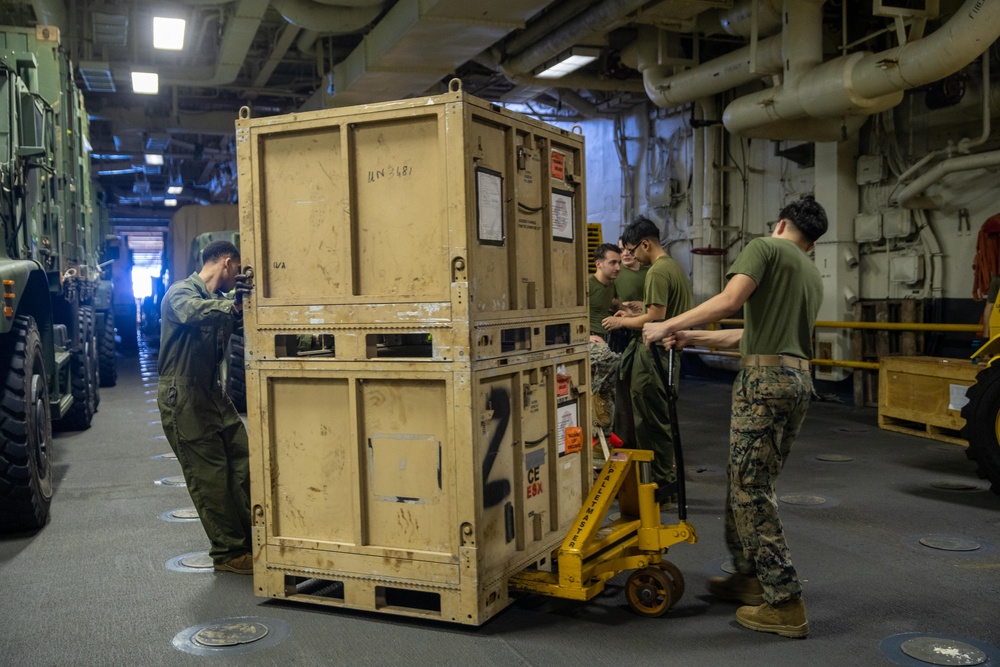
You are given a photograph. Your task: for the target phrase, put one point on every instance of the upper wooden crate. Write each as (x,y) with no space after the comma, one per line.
(445,216)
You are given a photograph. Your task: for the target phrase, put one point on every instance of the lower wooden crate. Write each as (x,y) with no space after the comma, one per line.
(923,396)
(410,487)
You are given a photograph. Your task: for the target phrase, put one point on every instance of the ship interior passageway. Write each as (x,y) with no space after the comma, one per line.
(894,537)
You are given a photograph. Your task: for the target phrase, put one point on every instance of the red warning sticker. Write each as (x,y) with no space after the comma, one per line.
(558,165)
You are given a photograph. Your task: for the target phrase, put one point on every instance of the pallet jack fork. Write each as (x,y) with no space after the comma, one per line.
(595,550)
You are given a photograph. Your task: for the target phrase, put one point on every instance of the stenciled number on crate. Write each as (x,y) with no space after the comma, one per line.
(494,492)
(398,171)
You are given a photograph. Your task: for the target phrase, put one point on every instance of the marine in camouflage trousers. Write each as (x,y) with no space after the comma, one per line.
(603,381)
(769,404)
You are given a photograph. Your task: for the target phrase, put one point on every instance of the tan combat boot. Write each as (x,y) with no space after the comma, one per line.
(743,588)
(787,619)
(239,565)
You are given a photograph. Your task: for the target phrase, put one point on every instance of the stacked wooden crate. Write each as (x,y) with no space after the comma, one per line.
(417,347)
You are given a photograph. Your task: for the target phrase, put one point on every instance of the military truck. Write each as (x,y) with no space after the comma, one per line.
(49,245)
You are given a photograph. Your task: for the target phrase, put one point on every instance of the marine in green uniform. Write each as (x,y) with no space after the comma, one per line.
(630,285)
(603,297)
(199,420)
(666,293)
(781,290)
(631,282)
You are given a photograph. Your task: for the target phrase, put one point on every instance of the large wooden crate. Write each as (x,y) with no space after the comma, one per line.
(417,491)
(416,349)
(444,212)
(924,396)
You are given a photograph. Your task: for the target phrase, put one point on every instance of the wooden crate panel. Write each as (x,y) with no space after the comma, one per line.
(918,395)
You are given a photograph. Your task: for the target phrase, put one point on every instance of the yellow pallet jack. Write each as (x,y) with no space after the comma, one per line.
(595,550)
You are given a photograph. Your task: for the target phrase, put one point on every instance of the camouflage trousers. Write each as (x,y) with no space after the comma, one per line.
(769,404)
(603,381)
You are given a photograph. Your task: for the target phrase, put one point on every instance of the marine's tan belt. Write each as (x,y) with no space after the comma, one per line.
(775,360)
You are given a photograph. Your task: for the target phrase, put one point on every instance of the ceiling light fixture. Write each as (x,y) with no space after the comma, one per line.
(154,159)
(146,83)
(568,61)
(170,202)
(168,33)
(175,189)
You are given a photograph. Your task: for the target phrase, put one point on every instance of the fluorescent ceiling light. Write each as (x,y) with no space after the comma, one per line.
(168,33)
(154,159)
(147,83)
(170,202)
(568,61)
(175,189)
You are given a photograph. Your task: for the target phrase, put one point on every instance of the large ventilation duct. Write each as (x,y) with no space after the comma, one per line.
(418,43)
(345,18)
(595,19)
(858,84)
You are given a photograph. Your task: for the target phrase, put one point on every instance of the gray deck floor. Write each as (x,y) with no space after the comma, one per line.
(92,587)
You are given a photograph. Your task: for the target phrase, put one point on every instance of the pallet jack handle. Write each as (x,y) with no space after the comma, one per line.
(667,379)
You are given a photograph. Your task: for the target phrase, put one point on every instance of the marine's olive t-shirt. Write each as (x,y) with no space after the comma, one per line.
(780,314)
(667,285)
(601,296)
(630,284)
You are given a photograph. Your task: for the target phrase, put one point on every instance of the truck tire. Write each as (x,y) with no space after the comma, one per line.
(80,414)
(108,367)
(25,432)
(93,356)
(982,423)
(236,376)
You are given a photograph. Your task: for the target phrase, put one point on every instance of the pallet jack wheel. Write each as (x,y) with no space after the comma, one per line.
(648,591)
(676,580)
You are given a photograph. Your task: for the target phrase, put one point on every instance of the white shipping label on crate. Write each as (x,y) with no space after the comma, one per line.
(562,215)
(957,399)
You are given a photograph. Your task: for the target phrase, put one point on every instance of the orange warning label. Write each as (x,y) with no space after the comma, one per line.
(558,165)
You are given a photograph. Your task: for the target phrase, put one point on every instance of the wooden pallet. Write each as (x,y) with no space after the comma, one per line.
(923,430)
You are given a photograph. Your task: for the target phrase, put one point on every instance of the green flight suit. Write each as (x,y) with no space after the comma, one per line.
(199,420)
(666,285)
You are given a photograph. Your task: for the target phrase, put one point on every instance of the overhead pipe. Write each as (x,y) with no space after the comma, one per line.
(964,145)
(732,70)
(910,196)
(327,19)
(306,42)
(861,84)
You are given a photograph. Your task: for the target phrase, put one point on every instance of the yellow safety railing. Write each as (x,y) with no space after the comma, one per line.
(847,363)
